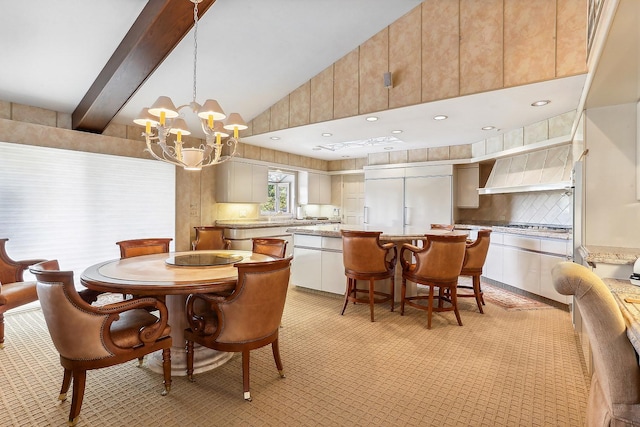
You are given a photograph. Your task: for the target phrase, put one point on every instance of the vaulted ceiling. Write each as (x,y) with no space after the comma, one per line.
(104,61)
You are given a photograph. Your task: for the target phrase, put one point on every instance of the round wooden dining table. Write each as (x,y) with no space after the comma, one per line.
(170,277)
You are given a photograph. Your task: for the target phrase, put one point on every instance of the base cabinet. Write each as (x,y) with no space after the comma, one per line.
(317,263)
(526,263)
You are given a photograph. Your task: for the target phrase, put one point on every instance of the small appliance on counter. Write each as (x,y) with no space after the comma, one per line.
(635,277)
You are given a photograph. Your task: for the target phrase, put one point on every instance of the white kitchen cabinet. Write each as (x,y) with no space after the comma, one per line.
(494,262)
(241,182)
(526,263)
(318,264)
(314,188)
(547,290)
(242,238)
(467,183)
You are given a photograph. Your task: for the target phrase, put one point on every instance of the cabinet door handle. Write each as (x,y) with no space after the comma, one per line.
(407,218)
(366,215)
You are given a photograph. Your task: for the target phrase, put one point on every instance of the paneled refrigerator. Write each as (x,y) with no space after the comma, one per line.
(408,200)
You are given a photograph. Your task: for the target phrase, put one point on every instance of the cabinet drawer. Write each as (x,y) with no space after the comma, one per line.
(559,247)
(332,243)
(522,242)
(309,241)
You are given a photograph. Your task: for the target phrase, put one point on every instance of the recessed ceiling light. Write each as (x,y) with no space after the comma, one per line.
(396,131)
(371,119)
(388,148)
(540,103)
(275,138)
(327,134)
(488,128)
(440,117)
(316,148)
(345,157)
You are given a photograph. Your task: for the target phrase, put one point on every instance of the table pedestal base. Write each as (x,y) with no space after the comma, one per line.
(204,359)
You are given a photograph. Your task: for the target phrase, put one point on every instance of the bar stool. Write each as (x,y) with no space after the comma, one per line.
(366,259)
(476,254)
(438,265)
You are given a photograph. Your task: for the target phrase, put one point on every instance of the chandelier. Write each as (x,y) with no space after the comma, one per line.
(165,118)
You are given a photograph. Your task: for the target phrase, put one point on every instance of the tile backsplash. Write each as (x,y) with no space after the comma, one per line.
(554,208)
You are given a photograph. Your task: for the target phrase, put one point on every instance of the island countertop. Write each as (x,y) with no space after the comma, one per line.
(264,223)
(333,230)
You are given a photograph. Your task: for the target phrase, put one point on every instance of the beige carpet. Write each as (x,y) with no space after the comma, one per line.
(503,368)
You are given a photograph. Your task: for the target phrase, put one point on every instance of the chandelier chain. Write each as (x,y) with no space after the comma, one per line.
(195,47)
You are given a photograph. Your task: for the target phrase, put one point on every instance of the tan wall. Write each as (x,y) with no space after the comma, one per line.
(442,49)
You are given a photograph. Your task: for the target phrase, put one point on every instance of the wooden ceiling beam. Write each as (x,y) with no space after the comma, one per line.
(157,30)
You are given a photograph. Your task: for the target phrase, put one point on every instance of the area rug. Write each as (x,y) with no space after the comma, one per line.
(506,299)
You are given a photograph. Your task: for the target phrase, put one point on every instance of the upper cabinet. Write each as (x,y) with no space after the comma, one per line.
(467,183)
(241,182)
(314,188)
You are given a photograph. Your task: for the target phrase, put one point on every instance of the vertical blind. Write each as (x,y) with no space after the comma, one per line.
(74,206)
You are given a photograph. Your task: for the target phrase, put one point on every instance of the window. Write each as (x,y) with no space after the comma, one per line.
(74,206)
(279,193)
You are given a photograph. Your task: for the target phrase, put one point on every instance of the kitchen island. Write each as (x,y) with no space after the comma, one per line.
(241,232)
(317,256)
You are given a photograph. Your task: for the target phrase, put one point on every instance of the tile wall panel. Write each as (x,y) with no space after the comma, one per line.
(267,155)
(280,114)
(571,56)
(495,144)
(514,139)
(438,153)
(396,157)
(299,103)
(5,110)
(478,149)
(346,85)
(418,155)
(529,50)
(322,96)
(374,62)
(462,151)
(262,122)
(281,157)
(561,125)
(63,120)
(440,49)
(405,62)
(481,46)
(536,132)
(35,115)
(378,159)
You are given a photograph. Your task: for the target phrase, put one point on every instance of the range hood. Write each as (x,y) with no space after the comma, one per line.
(548,169)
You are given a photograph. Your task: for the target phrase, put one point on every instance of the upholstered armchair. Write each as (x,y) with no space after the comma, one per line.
(210,238)
(269,246)
(14,291)
(437,265)
(474,259)
(247,319)
(89,337)
(366,259)
(614,395)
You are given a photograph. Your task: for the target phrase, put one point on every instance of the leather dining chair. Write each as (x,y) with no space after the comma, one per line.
(269,246)
(89,337)
(365,258)
(437,265)
(14,291)
(210,238)
(474,259)
(138,247)
(247,319)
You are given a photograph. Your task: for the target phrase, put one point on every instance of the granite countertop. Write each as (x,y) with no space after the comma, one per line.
(621,289)
(333,230)
(609,254)
(533,231)
(265,223)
